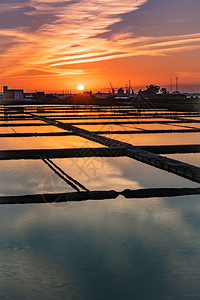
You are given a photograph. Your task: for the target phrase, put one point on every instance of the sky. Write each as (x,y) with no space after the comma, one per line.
(55,45)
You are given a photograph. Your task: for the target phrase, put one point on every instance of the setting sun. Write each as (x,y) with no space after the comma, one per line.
(80,87)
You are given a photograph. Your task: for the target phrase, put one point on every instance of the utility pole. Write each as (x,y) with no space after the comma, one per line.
(176,84)
(171,87)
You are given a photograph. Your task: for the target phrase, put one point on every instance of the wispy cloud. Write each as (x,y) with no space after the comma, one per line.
(68,33)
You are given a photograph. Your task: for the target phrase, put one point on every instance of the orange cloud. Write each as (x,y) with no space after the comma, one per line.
(73,38)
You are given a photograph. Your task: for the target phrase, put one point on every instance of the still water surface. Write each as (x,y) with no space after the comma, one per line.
(98,250)
(116,249)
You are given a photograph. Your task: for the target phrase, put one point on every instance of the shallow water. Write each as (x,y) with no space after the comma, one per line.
(46,143)
(103,250)
(193,159)
(116,249)
(124,127)
(36,129)
(158,139)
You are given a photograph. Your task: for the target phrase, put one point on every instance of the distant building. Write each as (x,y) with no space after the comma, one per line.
(39,95)
(87,93)
(12,94)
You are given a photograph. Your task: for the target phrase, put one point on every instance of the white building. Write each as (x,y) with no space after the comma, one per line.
(13,94)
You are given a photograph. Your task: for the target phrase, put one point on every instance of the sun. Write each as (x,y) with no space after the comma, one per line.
(80,87)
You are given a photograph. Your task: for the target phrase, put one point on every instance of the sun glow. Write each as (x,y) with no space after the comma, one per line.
(80,87)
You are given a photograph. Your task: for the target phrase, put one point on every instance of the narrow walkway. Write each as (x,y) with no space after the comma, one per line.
(98,195)
(92,152)
(173,166)
(64,133)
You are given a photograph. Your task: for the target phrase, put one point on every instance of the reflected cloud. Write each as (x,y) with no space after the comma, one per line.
(66,251)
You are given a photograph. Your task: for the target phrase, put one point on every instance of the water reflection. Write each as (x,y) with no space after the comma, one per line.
(193,159)
(158,139)
(34,129)
(46,143)
(23,177)
(113,249)
(146,249)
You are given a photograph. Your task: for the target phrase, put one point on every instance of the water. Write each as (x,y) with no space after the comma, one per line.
(46,143)
(121,249)
(193,159)
(137,127)
(33,176)
(158,139)
(109,249)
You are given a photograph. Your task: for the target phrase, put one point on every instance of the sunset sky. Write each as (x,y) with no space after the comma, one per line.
(54,45)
